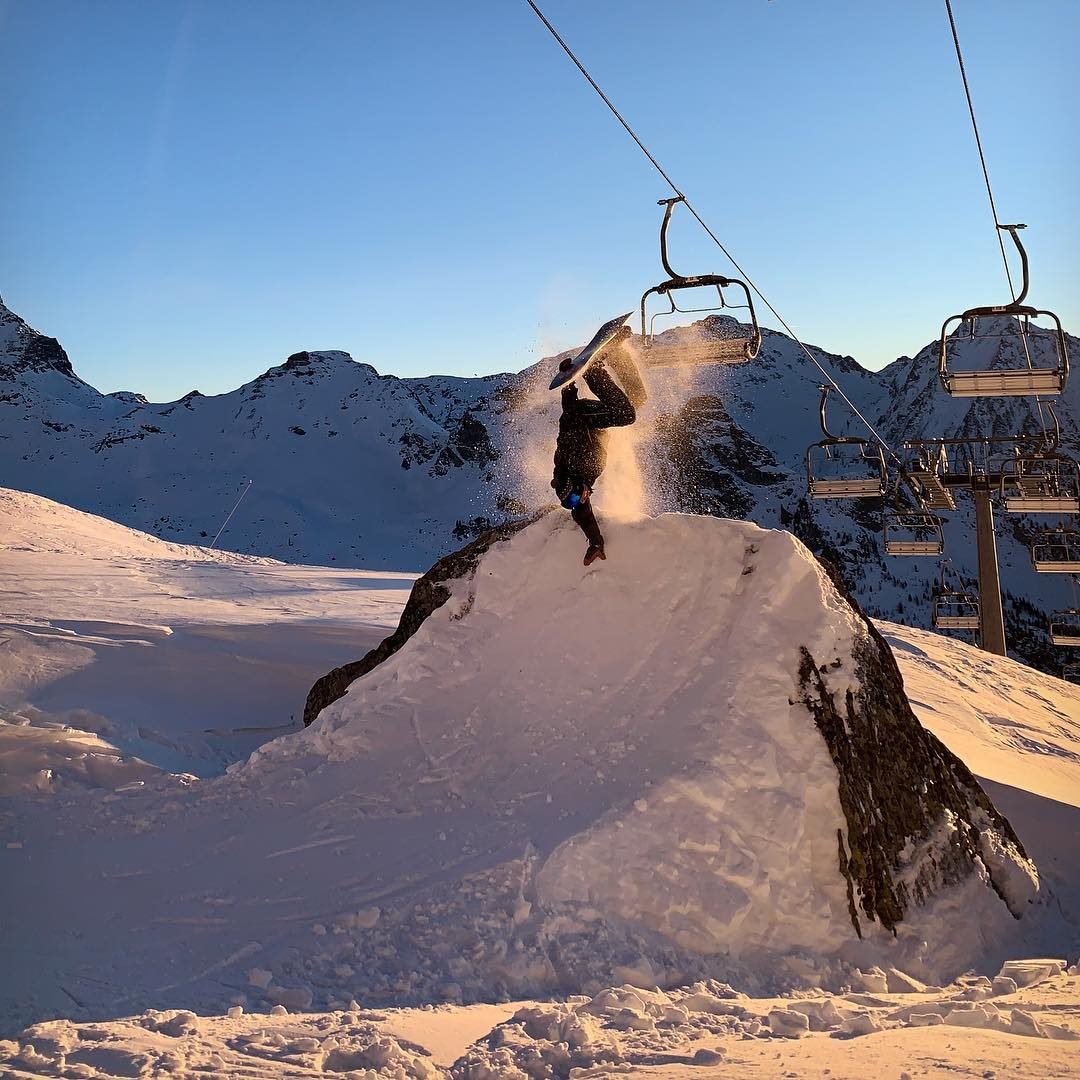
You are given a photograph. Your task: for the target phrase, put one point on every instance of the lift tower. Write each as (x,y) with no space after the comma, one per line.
(1026,470)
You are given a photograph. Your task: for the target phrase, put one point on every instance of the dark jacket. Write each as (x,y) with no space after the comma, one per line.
(581,449)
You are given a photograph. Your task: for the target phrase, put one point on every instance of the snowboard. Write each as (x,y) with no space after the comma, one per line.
(584,358)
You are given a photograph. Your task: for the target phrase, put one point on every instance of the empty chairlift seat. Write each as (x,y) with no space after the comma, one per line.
(843,466)
(1057,552)
(719,339)
(983,335)
(913,532)
(715,341)
(1065,627)
(996,351)
(1041,484)
(954,607)
(955,611)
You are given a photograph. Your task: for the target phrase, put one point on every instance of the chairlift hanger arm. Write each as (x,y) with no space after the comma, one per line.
(831,439)
(668,205)
(1013,230)
(1052,438)
(821,412)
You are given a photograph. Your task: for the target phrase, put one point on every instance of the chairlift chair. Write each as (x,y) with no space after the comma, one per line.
(726,341)
(1042,481)
(954,608)
(843,466)
(1065,627)
(1040,485)
(923,477)
(1056,551)
(913,532)
(1019,378)
(1070,671)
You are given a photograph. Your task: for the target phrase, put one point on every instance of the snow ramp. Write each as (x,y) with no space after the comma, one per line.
(700,745)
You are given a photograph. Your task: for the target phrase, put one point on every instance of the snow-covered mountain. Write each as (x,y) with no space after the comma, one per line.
(360,469)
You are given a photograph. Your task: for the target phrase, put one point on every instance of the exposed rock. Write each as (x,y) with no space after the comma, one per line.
(713,459)
(128,397)
(470,442)
(907,799)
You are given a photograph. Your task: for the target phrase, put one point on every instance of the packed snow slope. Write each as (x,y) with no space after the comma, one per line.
(564,778)
(122,654)
(354,468)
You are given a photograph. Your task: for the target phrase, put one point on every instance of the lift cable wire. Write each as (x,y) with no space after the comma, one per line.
(979,145)
(715,239)
(989,189)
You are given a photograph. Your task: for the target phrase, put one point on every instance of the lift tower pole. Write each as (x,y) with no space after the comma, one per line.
(991,619)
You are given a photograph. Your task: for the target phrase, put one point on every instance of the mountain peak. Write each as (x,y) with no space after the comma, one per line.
(22,348)
(322,358)
(314,364)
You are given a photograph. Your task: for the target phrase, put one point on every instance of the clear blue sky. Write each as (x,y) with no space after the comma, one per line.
(193,189)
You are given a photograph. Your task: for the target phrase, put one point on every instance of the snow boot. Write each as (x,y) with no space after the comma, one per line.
(596,551)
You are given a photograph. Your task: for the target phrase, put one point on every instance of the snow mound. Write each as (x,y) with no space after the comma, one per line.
(33,523)
(700,741)
(37,758)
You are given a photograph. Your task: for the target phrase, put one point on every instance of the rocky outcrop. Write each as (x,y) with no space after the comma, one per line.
(907,799)
(428,594)
(469,442)
(46,354)
(23,349)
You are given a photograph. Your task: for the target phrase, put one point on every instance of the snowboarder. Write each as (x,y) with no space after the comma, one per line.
(581,449)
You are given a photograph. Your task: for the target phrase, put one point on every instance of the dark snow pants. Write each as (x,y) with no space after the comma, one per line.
(586,521)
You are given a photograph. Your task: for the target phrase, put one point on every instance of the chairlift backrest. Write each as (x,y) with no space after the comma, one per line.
(739,344)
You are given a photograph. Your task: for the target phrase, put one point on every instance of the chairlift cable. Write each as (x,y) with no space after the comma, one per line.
(712,236)
(978,143)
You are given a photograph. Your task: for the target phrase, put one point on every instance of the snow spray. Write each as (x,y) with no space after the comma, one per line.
(641,477)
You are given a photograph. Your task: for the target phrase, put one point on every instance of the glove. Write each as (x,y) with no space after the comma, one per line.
(572,495)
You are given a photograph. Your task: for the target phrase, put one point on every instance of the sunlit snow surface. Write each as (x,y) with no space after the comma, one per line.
(262,888)
(184,658)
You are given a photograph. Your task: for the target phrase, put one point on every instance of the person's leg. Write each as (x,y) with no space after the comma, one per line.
(586,521)
(621,362)
(615,409)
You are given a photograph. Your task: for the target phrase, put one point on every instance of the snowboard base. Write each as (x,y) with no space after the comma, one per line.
(604,336)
